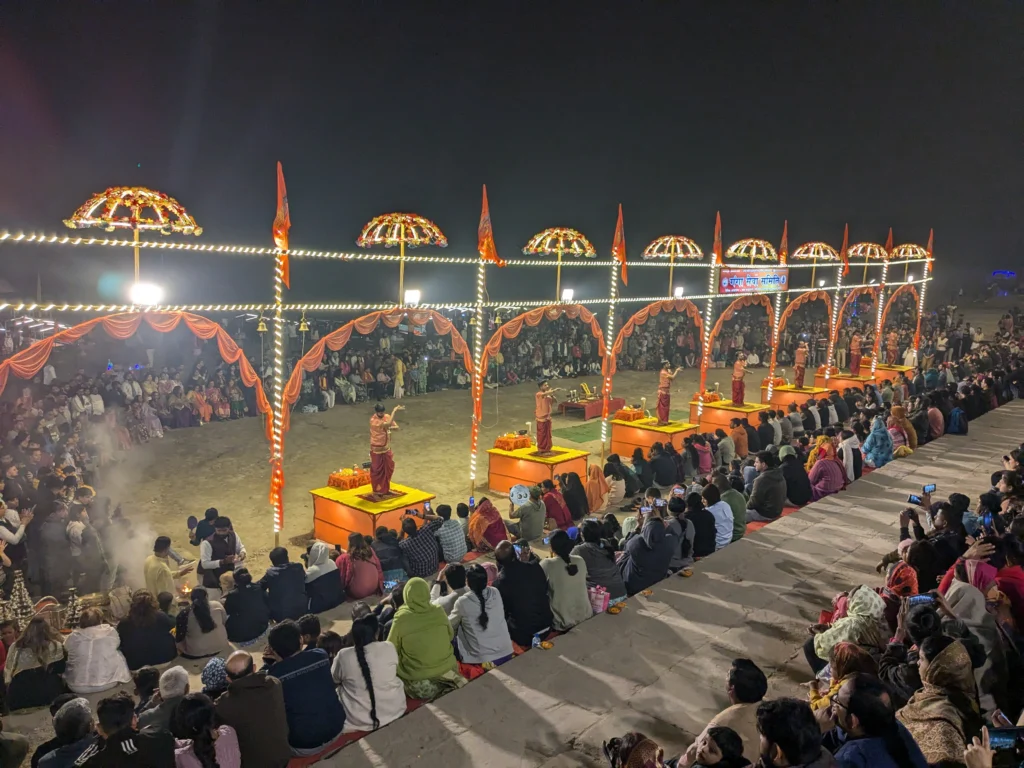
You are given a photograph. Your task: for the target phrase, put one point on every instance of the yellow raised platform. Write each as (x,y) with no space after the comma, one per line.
(630,435)
(883,372)
(523,467)
(783,395)
(337,513)
(718,415)
(841,381)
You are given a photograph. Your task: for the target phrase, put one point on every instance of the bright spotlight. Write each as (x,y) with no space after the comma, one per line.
(145,294)
(412,298)
(567,294)
(677,292)
(910,278)
(821,283)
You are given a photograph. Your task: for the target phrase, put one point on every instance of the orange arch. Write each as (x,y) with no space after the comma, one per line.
(799,302)
(641,317)
(872,289)
(908,288)
(740,303)
(29,361)
(339,337)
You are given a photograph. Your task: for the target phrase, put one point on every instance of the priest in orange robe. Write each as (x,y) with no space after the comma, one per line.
(382,461)
(739,370)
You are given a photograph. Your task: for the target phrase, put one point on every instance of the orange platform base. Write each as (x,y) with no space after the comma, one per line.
(718,415)
(883,372)
(787,393)
(630,435)
(521,467)
(337,513)
(841,381)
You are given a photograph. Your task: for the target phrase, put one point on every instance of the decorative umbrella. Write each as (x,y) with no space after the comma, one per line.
(559,241)
(137,209)
(867,252)
(753,249)
(673,247)
(815,252)
(906,253)
(401,229)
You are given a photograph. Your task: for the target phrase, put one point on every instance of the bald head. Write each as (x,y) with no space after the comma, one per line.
(239,664)
(504,552)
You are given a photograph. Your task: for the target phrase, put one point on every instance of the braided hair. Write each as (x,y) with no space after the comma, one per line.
(364,632)
(561,545)
(476,580)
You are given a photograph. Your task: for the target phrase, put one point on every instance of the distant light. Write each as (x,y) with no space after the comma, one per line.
(910,278)
(678,292)
(1004,273)
(145,294)
(821,283)
(871,281)
(567,294)
(412,297)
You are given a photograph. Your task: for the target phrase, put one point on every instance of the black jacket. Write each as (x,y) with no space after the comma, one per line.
(325,592)
(150,645)
(664,469)
(248,613)
(285,586)
(766,434)
(389,553)
(753,439)
(842,409)
(798,484)
(703,532)
(524,592)
(148,748)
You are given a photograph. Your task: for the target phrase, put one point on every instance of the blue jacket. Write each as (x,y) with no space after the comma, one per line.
(311,704)
(285,586)
(871,753)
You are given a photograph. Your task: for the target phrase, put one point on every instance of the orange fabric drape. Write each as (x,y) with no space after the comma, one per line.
(513,327)
(799,302)
(338,338)
(872,289)
(29,361)
(740,303)
(645,314)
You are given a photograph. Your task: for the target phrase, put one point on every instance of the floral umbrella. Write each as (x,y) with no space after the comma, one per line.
(673,247)
(558,241)
(404,230)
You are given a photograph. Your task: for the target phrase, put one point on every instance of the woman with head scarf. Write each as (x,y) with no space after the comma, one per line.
(647,556)
(967,603)
(597,489)
(878,447)
(214,677)
(422,636)
(323,583)
(898,420)
(828,475)
(575,495)
(486,528)
(943,717)
(899,584)
(845,659)
(817,451)
(849,454)
(862,625)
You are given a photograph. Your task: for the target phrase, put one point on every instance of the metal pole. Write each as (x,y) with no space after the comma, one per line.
(401,270)
(671,269)
(136,241)
(558,278)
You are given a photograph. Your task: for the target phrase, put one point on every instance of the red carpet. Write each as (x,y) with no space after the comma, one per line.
(751,527)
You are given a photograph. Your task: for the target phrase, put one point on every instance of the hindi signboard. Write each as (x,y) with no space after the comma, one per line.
(753,279)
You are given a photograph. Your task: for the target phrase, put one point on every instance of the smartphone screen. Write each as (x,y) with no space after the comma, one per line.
(659,502)
(920,600)
(914,499)
(519,549)
(678,491)
(1005,738)
(426,506)
(472,501)
(930,488)
(644,510)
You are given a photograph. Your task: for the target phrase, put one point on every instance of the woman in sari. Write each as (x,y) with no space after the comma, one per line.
(828,475)
(197,401)
(151,418)
(236,397)
(899,584)
(597,489)
(164,388)
(149,386)
(943,717)
(422,635)
(862,625)
(845,659)
(136,424)
(967,603)
(817,451)
(218,403)
(180,410)
(115,420)
(486,528)
(899,421)
(361,574)
(877,448)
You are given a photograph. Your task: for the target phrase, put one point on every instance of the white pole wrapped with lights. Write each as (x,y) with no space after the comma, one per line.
(920,311)
(613,289)
(705,348)
(833,330)
(277,433)
(478,353)
(775,342)
(878,319)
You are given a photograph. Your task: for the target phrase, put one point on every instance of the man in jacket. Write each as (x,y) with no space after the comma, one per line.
(726,449)
(768,495)
(798,484)
(121,744)
(254,706)
(285,585)
(524,592)
(790,736)
(173,688)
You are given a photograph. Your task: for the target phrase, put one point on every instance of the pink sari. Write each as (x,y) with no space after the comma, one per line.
(360,578)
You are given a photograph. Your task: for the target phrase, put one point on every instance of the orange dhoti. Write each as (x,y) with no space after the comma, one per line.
(891,353)
(738,391)
(382,467)
(664,401)
(855,363)
(798,375)
(544,435)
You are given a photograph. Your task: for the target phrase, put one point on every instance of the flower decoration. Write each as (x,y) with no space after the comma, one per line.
(408,230)
(134,208)
(908,251)
(867,252)
(560,241)
(815,252)
(753,250)
(673,247)
(832,370)
(708,396)
(778,381)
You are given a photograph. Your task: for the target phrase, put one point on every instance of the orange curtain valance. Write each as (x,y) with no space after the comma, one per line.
(645,314)
(29,361)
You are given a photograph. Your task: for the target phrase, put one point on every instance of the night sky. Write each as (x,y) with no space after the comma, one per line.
(879,114)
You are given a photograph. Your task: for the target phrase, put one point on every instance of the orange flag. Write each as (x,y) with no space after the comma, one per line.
(282,223)
(716,249)
(888,243)
(843,255)
(931,243)
(485,235)
(784,245)
(619,247)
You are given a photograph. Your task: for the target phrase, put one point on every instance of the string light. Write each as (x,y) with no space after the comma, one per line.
(754,249)
(775,343)
(705,351)
(834,324)
(102,209)
(920,311)
(478,352)
(878,322)
(278,430)
(406,229)
(613,290)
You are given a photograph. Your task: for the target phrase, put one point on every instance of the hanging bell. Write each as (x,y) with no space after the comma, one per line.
(303,325)
(261,326)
